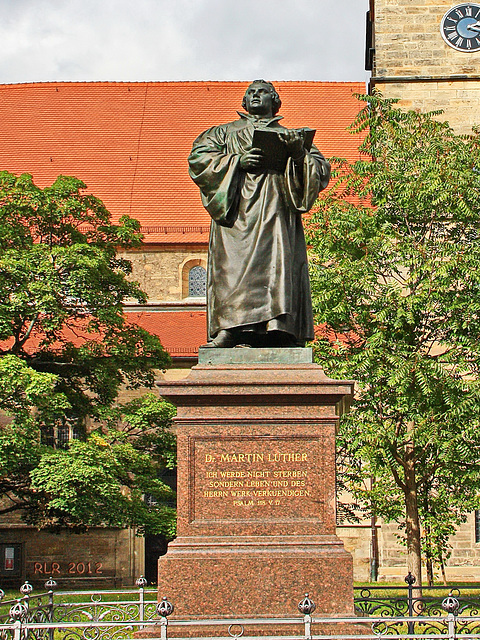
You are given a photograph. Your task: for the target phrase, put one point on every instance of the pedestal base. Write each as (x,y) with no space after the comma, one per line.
(256,489)
(256,576)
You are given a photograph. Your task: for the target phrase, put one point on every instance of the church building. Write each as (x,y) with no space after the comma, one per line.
(427,53)
(129,142)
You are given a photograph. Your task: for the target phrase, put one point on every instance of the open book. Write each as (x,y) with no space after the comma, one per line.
(274,149)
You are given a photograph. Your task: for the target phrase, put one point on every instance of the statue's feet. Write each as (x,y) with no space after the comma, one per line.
(223,340)
(277,339)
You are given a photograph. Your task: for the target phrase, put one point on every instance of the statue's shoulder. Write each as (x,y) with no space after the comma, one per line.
(236,125)
(220,130)
(229,126)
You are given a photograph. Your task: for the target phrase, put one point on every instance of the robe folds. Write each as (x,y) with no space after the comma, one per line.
(257,273)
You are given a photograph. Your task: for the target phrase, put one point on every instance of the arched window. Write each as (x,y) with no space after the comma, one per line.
(197,282)
(193,277)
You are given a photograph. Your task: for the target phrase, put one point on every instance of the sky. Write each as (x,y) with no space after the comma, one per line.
(164,40)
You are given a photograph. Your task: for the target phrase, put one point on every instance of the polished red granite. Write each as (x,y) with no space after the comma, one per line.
(256,493)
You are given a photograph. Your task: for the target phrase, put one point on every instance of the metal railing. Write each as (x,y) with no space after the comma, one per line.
(121,615)
(413,600)
(52,610)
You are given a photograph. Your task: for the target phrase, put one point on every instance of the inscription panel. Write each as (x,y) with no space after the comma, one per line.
(256,478)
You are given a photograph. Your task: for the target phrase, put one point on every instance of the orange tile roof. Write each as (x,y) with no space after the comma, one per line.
(181,332)
(129,142)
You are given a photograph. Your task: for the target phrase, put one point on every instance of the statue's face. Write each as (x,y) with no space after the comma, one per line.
(259,100)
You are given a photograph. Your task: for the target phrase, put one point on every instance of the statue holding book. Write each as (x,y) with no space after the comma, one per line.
(256,179)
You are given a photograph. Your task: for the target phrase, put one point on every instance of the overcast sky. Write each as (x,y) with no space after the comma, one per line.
(137,40)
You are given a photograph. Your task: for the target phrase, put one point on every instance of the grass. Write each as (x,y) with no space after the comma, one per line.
(393,590)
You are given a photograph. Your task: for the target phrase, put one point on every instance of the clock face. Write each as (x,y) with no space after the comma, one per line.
(460,27)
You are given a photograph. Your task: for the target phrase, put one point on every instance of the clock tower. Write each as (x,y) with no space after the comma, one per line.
(427,53)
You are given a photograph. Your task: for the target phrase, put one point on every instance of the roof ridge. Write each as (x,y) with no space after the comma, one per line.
(173,82)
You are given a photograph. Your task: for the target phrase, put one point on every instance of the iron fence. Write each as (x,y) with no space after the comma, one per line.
(122,615)
(412,600)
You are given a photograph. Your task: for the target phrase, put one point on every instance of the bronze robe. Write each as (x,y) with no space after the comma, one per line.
(257,264)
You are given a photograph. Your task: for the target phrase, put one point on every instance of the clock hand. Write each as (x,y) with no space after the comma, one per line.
(475,26)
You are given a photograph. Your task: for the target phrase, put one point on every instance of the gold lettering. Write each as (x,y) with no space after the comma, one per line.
(242,457)
(290,474)
(215,494)
(225,484)
(287,457)
(256,487)
(241,494)
(244,474)
(257,483)
(271,493)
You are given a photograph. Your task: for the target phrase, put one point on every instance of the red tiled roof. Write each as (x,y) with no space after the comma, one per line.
(129,142)
(180,332)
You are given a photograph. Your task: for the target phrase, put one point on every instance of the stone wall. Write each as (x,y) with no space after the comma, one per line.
(463,564)
(458,100)
(162,271)
(356,539)
(408,41)
(100,557)
(408,45)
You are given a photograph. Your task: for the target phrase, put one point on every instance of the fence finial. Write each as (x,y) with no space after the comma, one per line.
(51,584)
(410,579)
(164,607)
(26,588)
(450,604)
(306,606)
(18,611)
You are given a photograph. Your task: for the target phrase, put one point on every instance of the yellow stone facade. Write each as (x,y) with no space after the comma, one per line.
(162,271)
(414,63)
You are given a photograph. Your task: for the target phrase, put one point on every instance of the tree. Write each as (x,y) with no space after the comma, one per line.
(105,478)
(66,348)
(396,286)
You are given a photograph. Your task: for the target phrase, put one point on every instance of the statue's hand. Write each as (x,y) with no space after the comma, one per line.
(294,142)
(251,159)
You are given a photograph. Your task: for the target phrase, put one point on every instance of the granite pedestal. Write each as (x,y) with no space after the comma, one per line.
(256,487)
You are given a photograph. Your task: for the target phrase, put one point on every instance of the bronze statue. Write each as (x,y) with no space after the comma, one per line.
(258,291)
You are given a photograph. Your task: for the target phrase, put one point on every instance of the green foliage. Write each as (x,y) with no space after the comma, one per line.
(27,399)
(65,351)
(396,287)
(63,287)
(103,480)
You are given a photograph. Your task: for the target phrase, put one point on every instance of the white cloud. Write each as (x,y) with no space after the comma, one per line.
(181,39)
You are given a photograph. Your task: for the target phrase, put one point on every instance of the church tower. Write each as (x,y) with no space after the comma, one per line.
(427,53)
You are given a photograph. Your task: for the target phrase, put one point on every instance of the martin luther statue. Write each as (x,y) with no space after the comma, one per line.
(258,291)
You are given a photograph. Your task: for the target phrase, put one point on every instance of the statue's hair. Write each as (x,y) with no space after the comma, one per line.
(276,102)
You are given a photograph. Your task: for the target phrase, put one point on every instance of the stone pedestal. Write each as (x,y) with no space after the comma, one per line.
(256,487)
